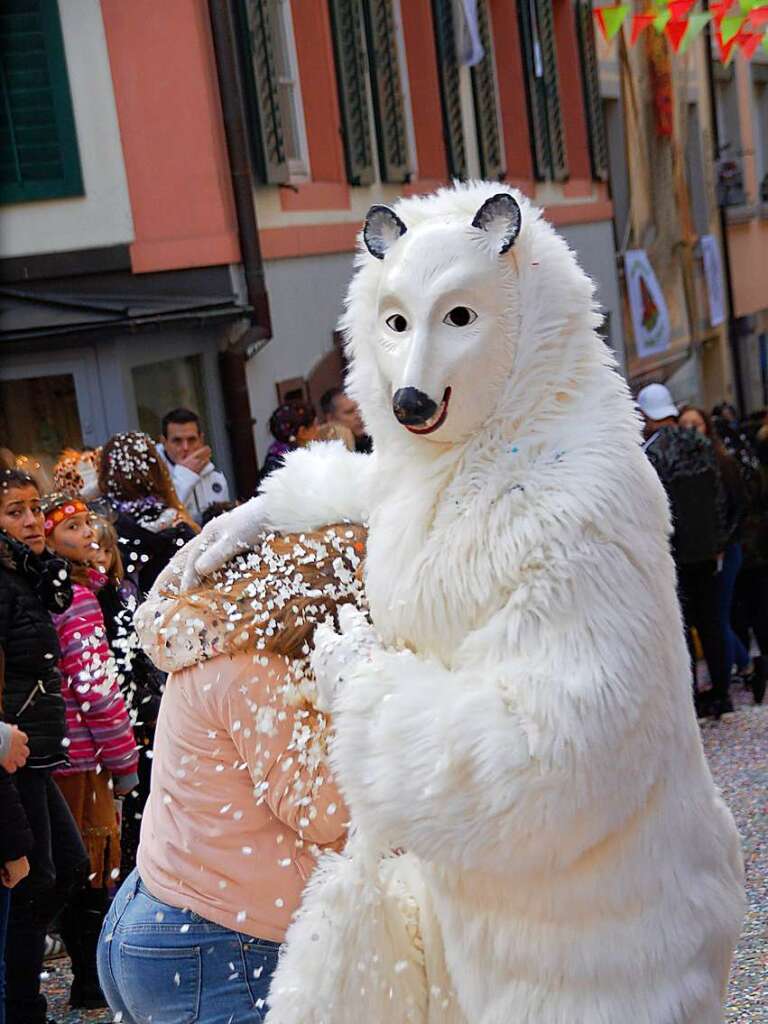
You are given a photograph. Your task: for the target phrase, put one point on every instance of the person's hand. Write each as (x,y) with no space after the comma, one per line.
(197,460)
(335,653)
(18,751)
(123,784)
(220,540)
(14,871)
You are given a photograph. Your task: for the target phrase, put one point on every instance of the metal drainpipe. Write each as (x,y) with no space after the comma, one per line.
(232,361)
(733,338)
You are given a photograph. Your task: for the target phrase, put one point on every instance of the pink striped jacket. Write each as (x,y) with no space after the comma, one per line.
(99,731)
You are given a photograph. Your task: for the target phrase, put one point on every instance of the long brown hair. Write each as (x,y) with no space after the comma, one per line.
(130,468)
(106,537)
(272,598)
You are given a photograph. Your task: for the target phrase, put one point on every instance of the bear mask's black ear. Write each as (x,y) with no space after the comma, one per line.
(382,229)
(500,216)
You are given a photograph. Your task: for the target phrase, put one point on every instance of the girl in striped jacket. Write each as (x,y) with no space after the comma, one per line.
(100,741)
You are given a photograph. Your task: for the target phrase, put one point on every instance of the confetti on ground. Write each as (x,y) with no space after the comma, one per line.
(737,750)
(56,988)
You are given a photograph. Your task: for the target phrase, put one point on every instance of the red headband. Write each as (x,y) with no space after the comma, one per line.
(61,513)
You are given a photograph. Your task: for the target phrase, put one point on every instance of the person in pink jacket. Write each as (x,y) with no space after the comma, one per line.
(242,799)
(103,756)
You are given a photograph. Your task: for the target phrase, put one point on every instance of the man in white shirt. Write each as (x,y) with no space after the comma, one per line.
(197,481)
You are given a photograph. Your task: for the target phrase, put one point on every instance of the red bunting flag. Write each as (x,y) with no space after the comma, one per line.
(679,9)
(640,22)
(748,42)
(758,17)
(675,31)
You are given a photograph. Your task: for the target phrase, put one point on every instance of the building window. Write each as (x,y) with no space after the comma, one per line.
(469,89)
(537,30)
(370,75)
(273,91)
(694,166)
(730,173)
(38,146)
(760,129)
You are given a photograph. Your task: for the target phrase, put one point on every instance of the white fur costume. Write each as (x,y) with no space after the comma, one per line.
(525,727)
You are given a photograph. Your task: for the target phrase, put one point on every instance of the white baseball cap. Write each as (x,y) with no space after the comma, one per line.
(655,402)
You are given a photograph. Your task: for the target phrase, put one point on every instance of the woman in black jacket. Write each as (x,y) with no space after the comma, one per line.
(32,585)
(151,522)
(16,839)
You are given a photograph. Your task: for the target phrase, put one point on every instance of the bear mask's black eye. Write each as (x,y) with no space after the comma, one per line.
(397,323)
(460,316)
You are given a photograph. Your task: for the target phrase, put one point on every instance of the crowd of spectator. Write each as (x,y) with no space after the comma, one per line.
(79,698)
(715,473)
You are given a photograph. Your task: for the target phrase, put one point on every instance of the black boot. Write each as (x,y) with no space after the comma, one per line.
(759,678)
(80,928)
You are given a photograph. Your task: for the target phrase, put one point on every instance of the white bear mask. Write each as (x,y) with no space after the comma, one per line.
(440,311)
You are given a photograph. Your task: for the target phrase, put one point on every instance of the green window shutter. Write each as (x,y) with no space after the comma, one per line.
(349,49)
(486,102)
(537,30)
(388,105)
(598,148)
(39,158)
(448,67)
(257,27)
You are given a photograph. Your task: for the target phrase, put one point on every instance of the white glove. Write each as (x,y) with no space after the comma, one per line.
(335,653)
(222,539)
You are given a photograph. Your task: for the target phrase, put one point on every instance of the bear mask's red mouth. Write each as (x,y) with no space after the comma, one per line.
(436,420)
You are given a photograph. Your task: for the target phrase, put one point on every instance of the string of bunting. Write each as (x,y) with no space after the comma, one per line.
(739,25)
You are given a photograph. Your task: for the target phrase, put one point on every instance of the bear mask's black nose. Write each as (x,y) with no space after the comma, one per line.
(412,407)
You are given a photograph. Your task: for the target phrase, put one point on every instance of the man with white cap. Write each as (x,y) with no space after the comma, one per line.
(656,405)
(686,464)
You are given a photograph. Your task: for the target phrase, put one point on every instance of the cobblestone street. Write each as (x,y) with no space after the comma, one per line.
(737,750)
(738,754)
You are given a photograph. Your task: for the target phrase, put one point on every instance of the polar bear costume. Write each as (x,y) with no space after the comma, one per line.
(523,723)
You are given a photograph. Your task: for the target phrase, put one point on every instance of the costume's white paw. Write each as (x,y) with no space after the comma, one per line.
(222,539)
(335,654)
(354,624)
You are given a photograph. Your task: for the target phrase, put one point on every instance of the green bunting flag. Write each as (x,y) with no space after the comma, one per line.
(614,19)
(660,21)
(696,23)
(729,27)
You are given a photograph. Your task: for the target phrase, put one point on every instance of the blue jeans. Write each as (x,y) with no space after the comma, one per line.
(5,910)
(162,965)
(735,651)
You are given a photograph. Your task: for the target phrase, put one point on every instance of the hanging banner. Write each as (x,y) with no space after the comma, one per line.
(713,275)
(647,306)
